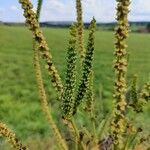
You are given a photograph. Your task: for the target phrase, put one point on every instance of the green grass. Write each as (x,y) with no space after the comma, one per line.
(19,102)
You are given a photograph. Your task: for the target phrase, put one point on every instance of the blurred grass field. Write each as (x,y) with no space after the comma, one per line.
(19,103)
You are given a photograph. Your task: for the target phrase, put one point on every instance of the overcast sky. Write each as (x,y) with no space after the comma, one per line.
(64,10)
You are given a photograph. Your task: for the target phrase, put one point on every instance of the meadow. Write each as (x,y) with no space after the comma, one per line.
(19,103)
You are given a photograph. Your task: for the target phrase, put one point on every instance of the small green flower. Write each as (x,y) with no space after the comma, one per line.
(138,100)
(90,96)
(135,101)
(145,94)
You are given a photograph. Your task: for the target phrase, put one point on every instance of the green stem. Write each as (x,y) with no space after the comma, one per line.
(132,140)
(80,143)
(108,117)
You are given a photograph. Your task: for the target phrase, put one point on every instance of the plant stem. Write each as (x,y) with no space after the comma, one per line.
(80,143)
(42,93)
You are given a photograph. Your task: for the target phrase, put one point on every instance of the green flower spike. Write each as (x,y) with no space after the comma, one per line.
(87,67)
(120,66)
(69,89)
(80,34)
(32,22)
(11,137)
(42,93)
(90,96)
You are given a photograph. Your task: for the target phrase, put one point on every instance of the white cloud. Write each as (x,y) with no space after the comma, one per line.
(1,13)
(14,8)
(11,14)
(58,10)
(141,6)
(140,10)
(1,9)
(102,10)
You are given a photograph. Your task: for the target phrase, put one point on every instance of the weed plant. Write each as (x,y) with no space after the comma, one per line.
(116,131)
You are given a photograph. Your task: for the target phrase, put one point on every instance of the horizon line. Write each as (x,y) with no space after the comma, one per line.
(69,21)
